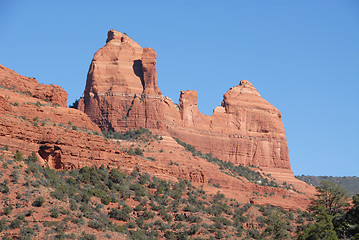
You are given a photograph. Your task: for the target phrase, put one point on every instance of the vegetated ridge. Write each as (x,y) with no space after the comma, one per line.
(350,184)
(101,203)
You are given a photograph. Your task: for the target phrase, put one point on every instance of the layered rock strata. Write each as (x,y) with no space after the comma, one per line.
(122,93)
(121,89)
(31,120)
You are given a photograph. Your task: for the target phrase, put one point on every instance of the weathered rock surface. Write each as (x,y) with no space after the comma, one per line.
(122,93)
(11,79)
(121,89)
(62,137)
(245,130)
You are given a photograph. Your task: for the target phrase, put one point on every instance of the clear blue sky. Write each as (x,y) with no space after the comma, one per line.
(302,56)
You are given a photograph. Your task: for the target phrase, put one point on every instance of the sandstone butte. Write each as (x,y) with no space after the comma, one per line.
(122,93)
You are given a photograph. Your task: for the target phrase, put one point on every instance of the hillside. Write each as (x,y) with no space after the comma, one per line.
(350,184)
(99,203)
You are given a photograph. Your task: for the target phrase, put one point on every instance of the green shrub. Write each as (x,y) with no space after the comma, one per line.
(73,205)
(180,217)
(18,156)
(58,194)
(29,213)
(3,222)
(106,200)
(95,224)
(7,210)
(16,223)
(138,134)
(39,201)
(86,236)
(120,214)
(54,213)
(4,187)
(136,151)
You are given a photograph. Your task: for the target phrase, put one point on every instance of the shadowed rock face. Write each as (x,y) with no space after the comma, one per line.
(122,93)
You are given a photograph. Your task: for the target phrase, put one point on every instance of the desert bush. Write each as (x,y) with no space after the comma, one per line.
(87,236)
(136,151)
(16,223)
(4,187)
(54,212)
(18,156)
(106,200)
(26,233)
(3,223)
(120,214)
(7,210)
(180,217)
(142,134)
(39,201)
(95,224)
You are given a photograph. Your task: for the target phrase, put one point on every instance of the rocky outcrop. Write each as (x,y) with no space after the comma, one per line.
(27,85)
(150,84)
(121,88)
(245,130)
(122,92)
(61,137)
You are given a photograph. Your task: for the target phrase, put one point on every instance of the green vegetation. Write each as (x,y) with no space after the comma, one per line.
(333,217)
(349,184)
(141,134)
(75,104)
(135,151)
(108,203)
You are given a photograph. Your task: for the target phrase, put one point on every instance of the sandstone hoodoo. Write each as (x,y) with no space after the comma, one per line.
(122,93)
(121,89)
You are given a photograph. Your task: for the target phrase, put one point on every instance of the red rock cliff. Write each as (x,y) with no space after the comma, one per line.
(122,92)
(121,89)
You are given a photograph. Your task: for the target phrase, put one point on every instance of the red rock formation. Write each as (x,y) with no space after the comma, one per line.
(121,89)
(62,137)
(65,138)
(10,79)
(149,57)
(246,129)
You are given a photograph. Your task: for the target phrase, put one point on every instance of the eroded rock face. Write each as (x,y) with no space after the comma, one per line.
(245,130)
(149,57)
(61,137)
(121,89)
(12,80)
(122,93)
